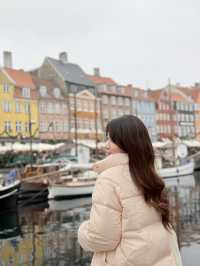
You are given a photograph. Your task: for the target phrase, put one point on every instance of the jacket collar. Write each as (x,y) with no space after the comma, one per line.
(110,161)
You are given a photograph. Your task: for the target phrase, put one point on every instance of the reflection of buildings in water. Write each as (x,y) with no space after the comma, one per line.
(185,202)
(50,237)
(61,241)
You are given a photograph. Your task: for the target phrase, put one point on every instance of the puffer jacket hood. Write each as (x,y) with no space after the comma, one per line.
(122,229)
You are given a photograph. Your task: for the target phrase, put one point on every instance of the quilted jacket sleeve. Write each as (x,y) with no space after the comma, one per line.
(102,232)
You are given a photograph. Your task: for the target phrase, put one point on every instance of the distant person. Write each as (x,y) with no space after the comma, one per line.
(129,223)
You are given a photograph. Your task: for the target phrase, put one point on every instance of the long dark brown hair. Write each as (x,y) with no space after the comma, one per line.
(130,134)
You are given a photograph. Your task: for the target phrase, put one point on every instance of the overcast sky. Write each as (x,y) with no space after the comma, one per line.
(143,42)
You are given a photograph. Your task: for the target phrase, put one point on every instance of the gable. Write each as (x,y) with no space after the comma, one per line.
(85,94)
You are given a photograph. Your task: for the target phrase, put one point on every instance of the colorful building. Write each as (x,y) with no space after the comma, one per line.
(143,106)
(115,101)
(53,110)
(72,80)
(18,105)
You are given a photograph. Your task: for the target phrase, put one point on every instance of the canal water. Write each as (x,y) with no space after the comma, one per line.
(46,234)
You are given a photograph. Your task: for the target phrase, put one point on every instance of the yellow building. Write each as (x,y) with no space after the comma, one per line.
(18,104)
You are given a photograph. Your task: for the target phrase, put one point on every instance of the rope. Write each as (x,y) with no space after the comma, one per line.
(25,202)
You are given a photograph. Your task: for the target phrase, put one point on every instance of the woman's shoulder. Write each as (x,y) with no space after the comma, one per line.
(121,178)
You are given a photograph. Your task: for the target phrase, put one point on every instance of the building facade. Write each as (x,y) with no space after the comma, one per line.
(84,120)
(143,106)
(70,78)
(165,113)
(114,99)
(18,105)
(53,111)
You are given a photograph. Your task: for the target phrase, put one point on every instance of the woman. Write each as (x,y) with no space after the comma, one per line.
(129,223)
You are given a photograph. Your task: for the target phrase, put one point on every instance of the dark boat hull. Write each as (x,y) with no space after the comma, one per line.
(8,197)
(32,192)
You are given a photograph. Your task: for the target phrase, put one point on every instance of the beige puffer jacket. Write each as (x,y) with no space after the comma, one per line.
(122,229)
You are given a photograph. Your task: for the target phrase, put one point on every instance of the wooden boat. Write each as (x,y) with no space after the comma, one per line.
(34,185)
(79,182)
(71,189)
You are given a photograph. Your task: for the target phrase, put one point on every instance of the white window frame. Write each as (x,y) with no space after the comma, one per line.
(17,107)
(26,107)
(7,126)
(6,106)
(26,92)
(18,126)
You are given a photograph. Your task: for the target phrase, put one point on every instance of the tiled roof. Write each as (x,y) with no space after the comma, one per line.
(138,93)
(20,77)
(155,94)
(49,84)
(101,80)
(71,73)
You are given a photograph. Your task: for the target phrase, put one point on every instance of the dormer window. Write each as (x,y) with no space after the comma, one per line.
(56,92)
(43,91)
(26,92)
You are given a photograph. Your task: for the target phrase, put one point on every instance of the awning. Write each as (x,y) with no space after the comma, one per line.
(192,143)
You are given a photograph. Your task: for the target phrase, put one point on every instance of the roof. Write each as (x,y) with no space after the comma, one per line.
(155,94)
(43,82)
(70,72)
(49,84)
(20,77)
(101,80)
(193,92)
(138,93)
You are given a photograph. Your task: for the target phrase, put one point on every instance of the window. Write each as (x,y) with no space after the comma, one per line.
(18,126)
(56,92)
(17,107)
(42,107)
(6,106)
(6,87)
(65,126)
(26,92)
(85,105)
(50,108)
(120,101)
(43,126)
(92,106)
(57,108)
(113,100)
(43,91)
(127,101)
(7,126)
(26,107)
(105,99)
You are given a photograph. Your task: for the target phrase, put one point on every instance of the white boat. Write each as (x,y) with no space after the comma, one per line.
(8,195)
(71,189)
(175,171)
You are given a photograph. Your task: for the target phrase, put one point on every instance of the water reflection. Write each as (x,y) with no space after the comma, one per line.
(47,234)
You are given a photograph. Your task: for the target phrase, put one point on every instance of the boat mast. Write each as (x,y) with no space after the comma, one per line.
(171,121)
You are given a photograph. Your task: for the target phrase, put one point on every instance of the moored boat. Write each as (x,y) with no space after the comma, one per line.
(8,195)
(179,170)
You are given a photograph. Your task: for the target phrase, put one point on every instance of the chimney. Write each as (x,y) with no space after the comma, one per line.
(197,84)
(63,57)
(7,59)
(97,71)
